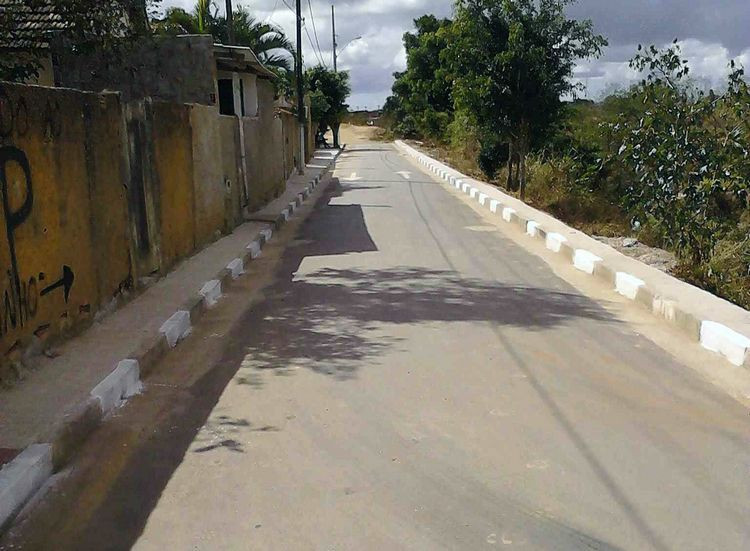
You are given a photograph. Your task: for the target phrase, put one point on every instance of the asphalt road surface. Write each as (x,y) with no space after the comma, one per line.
(397,373)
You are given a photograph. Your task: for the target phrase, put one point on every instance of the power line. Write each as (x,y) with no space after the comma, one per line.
(315,31)
(273,11)
(290,8)
(312,47)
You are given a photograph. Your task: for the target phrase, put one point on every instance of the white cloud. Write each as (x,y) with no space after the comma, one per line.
(712,33)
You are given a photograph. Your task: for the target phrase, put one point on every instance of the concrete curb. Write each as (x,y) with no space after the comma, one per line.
(711,334)
(21,478)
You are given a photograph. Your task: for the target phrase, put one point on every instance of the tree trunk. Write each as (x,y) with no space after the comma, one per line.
(522,177)
(335,130)
(511,184)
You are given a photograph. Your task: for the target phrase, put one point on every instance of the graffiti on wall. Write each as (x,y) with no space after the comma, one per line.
(20,294)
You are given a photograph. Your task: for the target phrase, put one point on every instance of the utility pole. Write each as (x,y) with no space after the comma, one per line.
(230,22)
(300,98)
(333,26)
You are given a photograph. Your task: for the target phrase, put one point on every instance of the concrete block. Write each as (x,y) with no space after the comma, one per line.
(585,260)
(452,181)
(465,187)
(716,337)
(508,214)
(176,328)
(286,213)
(22,477)
(291,207)
(459,183)
(494,205)
(627,285)
(473,193)
(532,228)
(236,267)
(122,383)
(482,198)
(254,248)
(266,235)
(211,292)
(554,241)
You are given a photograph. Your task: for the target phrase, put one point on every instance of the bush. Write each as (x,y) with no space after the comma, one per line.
(493,154)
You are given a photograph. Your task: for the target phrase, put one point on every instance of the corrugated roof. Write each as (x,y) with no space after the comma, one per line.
(36,21)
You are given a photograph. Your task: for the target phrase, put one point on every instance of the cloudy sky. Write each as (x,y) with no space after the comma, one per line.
(711,32)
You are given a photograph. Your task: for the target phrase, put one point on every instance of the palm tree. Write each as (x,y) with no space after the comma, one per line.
(268,41)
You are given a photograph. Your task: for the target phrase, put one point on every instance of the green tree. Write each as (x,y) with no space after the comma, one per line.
(512,62)
(268,41)
(689,152)
(329,91)
(421,96)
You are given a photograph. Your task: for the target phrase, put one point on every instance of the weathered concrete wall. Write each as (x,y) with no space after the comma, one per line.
(264,145)
(173,163)
(231,166)
(98,193)
(65,250)
(208,174)
(179,69)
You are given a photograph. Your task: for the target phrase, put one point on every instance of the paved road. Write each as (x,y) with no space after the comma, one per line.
(407,377)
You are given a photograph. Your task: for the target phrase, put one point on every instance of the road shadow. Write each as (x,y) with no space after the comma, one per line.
(328,321)
(331,320)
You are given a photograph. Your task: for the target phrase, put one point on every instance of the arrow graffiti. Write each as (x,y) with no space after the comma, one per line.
(65,282)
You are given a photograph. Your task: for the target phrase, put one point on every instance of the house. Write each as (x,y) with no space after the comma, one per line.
(35,28)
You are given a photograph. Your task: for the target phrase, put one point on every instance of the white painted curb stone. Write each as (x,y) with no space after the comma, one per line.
(255,249)
(473,192)
(465,187)
(554,241)
(532,228)
(176,327)
(483,198)
(727,342)
(494,203)
(211,292)
(237,268)
(267,234)
(508,213)
(23,476)
(452,180)
(122,383)
(585,260)
(285,213)
(459,182)
(627,285)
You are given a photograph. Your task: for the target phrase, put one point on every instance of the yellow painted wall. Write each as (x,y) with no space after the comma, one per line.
(101,193)
(173,163)
(56,186)
(208,174)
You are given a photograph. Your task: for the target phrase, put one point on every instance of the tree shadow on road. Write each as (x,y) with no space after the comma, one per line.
(332,320)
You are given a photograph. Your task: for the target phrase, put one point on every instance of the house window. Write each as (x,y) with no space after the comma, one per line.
(226,96)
